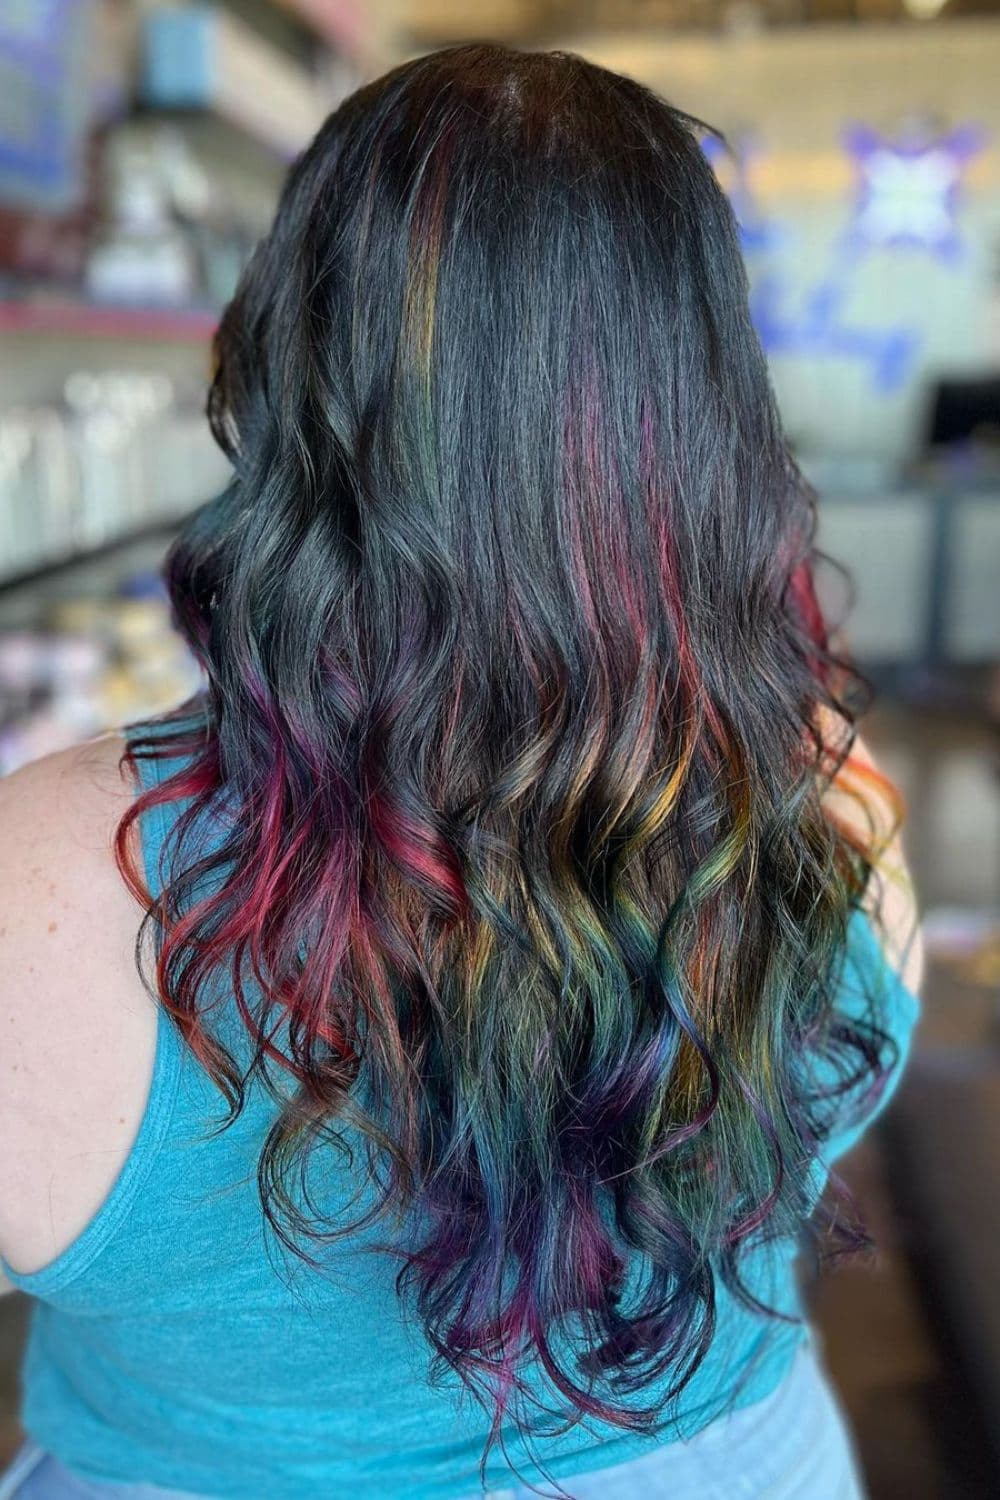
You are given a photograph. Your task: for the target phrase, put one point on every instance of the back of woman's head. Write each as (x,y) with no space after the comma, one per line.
(515,674)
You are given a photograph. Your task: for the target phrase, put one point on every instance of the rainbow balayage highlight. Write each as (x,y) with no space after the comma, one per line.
(512,728)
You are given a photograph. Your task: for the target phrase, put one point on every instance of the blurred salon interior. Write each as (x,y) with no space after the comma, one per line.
(142,146)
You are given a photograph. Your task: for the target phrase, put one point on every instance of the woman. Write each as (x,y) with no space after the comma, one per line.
(527,931)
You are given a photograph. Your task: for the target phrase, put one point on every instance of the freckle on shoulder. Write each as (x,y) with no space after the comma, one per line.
(58,816)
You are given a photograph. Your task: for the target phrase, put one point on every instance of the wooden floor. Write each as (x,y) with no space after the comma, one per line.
(915,1420)
(13,1320)
(916,1431)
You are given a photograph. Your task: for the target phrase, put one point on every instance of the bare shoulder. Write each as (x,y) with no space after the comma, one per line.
(87,776)
(61,896)
(79,1029)
(862,800)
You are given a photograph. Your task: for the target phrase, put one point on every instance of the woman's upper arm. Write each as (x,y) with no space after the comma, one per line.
(884,962)
(862,799)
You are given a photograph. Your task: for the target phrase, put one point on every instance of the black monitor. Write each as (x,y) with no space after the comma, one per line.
(960,408)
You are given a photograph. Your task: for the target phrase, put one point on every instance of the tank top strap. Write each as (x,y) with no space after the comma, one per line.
(155,823)
(158,825)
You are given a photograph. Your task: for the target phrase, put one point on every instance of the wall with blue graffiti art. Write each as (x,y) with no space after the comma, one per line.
(864,167)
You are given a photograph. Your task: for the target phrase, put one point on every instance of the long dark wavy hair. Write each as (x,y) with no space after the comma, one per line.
(513,726)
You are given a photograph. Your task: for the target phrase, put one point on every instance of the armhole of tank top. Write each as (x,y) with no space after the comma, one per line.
(865,949)
(868,969)
(157,1115)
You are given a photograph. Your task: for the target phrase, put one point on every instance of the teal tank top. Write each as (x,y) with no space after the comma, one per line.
(176,1342)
